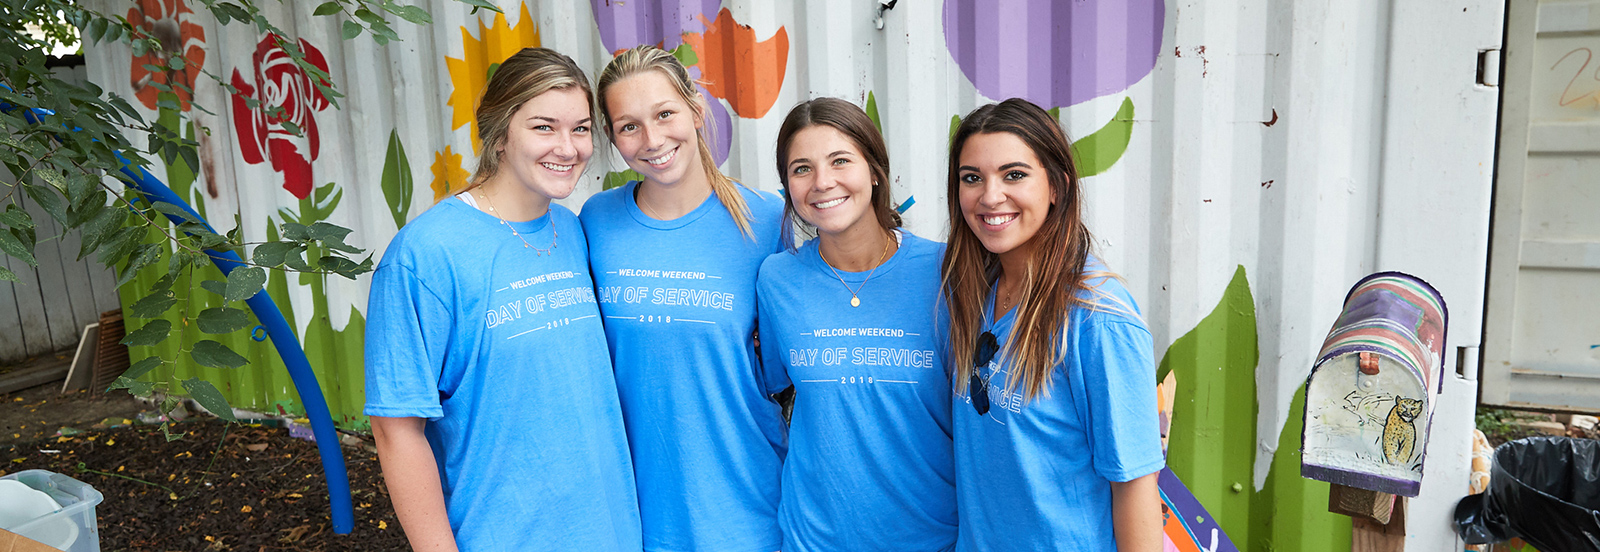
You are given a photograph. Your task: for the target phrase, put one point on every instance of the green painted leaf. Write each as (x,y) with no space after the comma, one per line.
(153,305)
(396,180)
(872,111)
(221,320)
(15,248)
(151,333)
(209,398)
(216,355)
(620,179)
(955,124)
(1101,149)
(244,282)
(326,8)
(142,367)
(685,55)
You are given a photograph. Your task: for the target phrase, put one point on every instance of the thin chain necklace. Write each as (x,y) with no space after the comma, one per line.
(537,251)
(855,299)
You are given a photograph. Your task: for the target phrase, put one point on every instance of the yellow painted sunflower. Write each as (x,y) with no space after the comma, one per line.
(481,55)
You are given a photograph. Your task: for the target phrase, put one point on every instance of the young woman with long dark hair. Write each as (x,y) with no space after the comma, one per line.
(1056,438)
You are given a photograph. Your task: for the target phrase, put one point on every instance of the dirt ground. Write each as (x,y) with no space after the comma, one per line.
(219,487)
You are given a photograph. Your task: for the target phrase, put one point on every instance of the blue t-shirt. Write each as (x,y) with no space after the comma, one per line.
(502,351)
(1036,475)
(679,303)
(870,464)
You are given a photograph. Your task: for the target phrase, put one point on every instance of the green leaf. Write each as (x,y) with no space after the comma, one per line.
(175,211)
(216,355)
(1095,153)
(142,367)
(16,217)
(326,8)
(80,187)
(291,127)
(218,287)
(50,201)
(372,19)
(112,250)
(396,180)
(481,5)
(327,232)
(350,29)
(151,333)
(7,275)
(147,254)
(153,305)
(271,253)
(619,179)
(338,265)
(221,320)
(244,282)
(15,248)
(209,398)
(413,14)
(295,231)
(134,387)
(872,111)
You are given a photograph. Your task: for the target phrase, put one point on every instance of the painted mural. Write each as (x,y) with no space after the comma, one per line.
(1370,395)
(1066,56)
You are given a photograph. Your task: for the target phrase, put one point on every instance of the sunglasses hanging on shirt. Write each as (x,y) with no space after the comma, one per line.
(978,388)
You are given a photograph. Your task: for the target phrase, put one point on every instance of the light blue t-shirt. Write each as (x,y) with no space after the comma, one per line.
(680,306)
(1036,475)
(870,464)
(502,351)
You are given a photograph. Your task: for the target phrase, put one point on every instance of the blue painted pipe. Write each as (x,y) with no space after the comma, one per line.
(283,338)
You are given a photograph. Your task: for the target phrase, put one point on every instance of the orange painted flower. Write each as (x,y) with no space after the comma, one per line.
(737,67)
(448,176)
(495,42)
(168,21)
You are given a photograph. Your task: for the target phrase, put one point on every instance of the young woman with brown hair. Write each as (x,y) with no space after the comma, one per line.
(849,320)
(502,432)
(675,257)
(1056,438)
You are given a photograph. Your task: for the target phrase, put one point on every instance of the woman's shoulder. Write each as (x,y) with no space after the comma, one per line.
(1105,297)
(605,201)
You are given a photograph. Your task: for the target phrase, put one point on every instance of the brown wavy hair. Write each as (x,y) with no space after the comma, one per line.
(1055,281)
(521,77)
(643,58)
(851,121)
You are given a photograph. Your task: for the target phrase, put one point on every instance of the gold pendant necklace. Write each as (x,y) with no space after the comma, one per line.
(855,299)
(536,251)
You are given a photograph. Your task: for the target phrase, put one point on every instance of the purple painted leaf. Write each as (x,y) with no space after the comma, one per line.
(720,131)
(1054,54)
(628,23)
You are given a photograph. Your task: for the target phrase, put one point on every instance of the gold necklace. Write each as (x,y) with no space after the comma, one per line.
(855,300)
(537,251)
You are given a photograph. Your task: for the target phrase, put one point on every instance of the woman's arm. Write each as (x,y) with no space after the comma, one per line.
(410,472)
(1136,514)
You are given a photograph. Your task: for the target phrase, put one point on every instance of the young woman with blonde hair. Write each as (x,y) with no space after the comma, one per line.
(849,320)
(487,376)
(675,257)
(1056,439)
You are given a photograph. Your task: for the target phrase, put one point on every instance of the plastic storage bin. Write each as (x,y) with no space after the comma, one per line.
(72,528)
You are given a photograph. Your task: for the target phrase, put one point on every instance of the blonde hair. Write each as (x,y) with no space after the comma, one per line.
(521,77)
(644,58)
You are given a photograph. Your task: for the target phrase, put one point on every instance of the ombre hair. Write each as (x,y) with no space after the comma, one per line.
(851,121)
(521,77)
(1054,282)
(640,59)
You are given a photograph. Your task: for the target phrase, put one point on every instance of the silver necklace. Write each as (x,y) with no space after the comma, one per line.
(537,251)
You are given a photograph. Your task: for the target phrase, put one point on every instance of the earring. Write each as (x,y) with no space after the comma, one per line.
(874,183)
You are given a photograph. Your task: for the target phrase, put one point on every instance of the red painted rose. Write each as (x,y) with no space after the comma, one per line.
(282,84)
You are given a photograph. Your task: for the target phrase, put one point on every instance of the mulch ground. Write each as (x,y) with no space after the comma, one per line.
(220,487)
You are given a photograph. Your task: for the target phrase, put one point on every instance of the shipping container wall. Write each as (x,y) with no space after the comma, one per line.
(1248,161)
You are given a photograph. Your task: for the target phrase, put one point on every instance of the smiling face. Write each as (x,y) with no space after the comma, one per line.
(548,143)
(830,182)
(1005,194)
(655,129)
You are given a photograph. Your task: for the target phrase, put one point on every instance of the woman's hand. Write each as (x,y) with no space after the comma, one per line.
(412,475)
(1136,514)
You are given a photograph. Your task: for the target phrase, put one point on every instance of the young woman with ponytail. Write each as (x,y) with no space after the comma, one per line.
(675,258)
(502,432)
(1056,439)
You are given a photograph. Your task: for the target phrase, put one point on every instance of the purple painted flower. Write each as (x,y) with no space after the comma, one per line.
(628,23)
(1051,53)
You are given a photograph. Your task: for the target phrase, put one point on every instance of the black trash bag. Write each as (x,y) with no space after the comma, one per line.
(1545,490)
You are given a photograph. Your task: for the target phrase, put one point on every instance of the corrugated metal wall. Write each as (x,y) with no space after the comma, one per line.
(1308,142)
